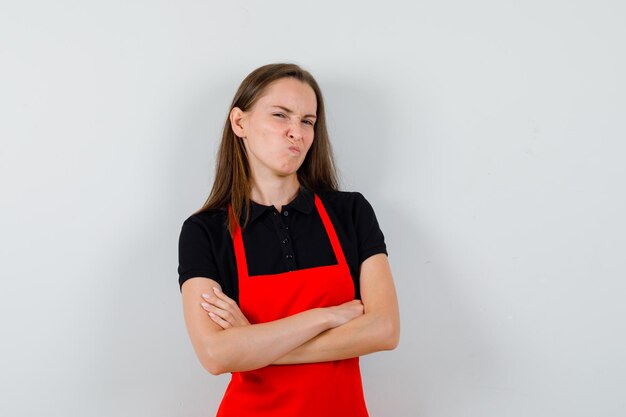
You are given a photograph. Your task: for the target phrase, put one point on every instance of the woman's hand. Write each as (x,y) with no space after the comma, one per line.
(345,312)
(223,310)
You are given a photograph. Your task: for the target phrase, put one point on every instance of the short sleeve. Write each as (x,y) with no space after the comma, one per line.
(371,240)
(195,254)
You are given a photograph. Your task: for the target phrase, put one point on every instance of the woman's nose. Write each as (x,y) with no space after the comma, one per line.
(295,132)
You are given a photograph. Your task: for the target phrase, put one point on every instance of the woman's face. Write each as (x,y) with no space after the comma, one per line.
(278,130)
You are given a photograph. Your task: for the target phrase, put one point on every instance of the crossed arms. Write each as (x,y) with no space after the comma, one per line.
(224,341)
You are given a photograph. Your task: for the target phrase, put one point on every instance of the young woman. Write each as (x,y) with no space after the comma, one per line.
(284,279)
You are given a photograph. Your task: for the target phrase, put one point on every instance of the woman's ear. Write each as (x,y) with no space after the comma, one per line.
(236,122)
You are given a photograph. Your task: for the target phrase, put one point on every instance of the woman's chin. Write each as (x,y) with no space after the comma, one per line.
(286,173)
(288,169)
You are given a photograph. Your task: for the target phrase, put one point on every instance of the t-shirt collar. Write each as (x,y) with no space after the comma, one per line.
(303,203)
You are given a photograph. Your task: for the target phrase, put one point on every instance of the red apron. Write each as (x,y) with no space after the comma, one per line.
(325,389)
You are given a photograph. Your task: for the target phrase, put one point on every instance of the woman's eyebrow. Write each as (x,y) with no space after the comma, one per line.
(290,111)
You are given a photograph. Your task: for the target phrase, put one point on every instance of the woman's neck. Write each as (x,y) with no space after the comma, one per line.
(276,192)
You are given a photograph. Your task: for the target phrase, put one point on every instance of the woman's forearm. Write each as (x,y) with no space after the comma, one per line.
(225,341)
(365,334)
(378,329)
(254,346)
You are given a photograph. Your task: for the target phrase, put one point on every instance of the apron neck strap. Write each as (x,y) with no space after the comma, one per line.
(330,230)
(240,252)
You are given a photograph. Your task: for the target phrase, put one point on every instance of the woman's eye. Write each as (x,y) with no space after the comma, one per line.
(279,114)
(308,122)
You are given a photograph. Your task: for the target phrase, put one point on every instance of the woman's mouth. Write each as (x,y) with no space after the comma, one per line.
(295,149)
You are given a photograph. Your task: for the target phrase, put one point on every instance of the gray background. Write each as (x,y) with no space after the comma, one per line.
(489,136)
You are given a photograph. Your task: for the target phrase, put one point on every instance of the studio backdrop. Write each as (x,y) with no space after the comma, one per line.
(489,137)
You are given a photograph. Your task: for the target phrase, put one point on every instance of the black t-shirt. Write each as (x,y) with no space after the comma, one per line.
(277,242)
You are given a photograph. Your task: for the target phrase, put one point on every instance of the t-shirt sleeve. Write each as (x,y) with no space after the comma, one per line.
(371,240)
(195,255)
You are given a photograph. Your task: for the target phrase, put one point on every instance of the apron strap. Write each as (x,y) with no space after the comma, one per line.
(240,252)
(330,231)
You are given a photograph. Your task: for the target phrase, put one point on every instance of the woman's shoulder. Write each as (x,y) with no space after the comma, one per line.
(210,220)
(344,199)
(348,205)
(356,215)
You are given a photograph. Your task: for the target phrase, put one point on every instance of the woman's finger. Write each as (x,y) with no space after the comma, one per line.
(223,314)
(230,304)
(218,302)
(220,294)
(232,314)
(233,307)
(224,318)
(220,321)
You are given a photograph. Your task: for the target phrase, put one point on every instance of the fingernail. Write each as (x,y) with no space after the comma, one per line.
(205,305)
(205,295)
(216,290)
